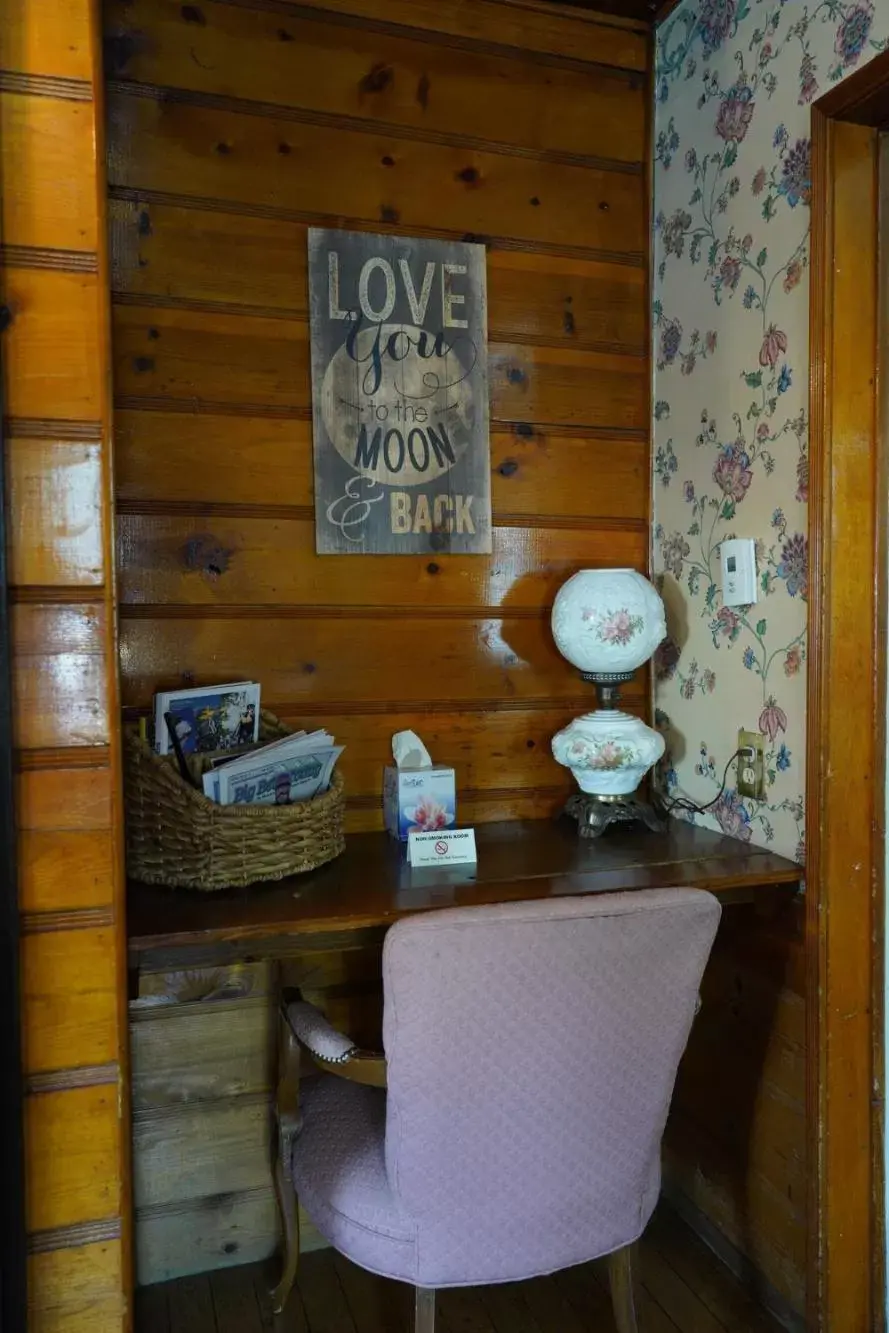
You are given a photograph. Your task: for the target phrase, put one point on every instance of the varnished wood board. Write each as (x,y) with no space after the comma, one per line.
(164,144)
(47,149)
(175,255)
(256,366)
(231,463)
(76,1290)
(254,561)
(377,77)
(62,478)
(73,1154)
(58,675)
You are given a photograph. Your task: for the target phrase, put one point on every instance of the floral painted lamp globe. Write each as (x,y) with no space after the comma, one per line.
(607,622)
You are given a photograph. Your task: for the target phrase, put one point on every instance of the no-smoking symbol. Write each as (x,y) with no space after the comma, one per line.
(441,848)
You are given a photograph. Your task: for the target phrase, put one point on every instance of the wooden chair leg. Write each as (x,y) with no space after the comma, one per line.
(287,1117)
(622,1280)
(424,1318)
(289,1209)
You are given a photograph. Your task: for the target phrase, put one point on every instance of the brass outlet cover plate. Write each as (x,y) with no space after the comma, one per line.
(752,772)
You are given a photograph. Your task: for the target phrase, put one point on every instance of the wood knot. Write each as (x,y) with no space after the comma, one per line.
(284,36)
(388,161)
(515,375)
(469,176)
(192,14)
(568,322)
(204,554)
(142,364)
(388,214)
(524,430)
(223,149)
(423,86)
(144,222)
(377,78)
(6,317)
(432,567)
(604,206)
(508,468)
(534,201)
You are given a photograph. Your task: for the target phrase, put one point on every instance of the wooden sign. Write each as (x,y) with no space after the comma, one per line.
(399,395)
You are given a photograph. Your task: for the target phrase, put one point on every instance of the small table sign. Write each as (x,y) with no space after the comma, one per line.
(438,849)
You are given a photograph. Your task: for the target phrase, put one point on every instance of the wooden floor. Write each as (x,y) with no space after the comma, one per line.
(685,1290)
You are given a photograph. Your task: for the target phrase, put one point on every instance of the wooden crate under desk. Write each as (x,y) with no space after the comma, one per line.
(206,970)
(203,1046)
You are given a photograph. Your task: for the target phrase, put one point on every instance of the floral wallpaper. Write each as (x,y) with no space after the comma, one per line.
(732,187)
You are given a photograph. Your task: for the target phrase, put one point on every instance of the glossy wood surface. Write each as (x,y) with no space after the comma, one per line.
(417,86)
(846,773)
(232,129)
(57,442)
(371,885)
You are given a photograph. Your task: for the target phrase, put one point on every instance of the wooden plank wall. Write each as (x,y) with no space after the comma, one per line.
(232,128)
(735,1148)
(57,436)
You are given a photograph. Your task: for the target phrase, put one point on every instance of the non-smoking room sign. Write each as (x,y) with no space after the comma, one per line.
(399,394)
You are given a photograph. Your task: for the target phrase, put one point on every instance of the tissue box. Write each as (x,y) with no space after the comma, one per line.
(418,799)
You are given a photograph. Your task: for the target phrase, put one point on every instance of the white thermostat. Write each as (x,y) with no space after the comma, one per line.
(738,571)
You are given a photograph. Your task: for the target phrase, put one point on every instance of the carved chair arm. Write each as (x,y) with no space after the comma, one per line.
(329,1049)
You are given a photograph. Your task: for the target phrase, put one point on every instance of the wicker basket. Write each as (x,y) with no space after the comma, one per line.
(177,837)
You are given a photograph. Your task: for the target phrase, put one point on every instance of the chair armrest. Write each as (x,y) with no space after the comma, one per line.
(329,1049)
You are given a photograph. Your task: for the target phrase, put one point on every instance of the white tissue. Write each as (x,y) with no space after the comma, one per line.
(408,751)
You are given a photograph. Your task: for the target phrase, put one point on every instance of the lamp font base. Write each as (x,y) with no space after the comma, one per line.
(595,813)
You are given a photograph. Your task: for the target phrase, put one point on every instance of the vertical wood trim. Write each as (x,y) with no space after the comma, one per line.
(845,892)
(13,1281)
(118,870)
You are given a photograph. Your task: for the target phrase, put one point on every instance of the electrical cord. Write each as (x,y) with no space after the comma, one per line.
(680,802)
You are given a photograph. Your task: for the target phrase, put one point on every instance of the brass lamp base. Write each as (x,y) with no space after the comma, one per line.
(595,813)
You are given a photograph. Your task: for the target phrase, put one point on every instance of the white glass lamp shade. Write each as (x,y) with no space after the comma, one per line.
(608,621)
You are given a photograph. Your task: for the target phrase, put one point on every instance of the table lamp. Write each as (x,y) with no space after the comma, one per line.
(607,622)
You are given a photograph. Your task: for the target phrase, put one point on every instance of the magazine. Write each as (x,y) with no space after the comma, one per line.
(278,775)
(209,718)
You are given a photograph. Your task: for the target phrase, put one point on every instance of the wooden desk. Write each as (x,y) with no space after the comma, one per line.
(206,970)
(370,886)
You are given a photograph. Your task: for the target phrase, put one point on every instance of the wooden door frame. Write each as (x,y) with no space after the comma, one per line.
(846,715)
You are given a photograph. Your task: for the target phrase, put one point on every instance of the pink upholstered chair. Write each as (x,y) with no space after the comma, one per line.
(514,1125)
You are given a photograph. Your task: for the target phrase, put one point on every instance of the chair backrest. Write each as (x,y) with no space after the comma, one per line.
(532,1050)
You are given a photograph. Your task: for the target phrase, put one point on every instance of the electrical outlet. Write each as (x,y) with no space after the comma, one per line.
(752,770)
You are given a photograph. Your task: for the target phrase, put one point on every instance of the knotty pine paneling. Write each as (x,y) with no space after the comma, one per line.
(62,477)
(231,129)
(70,993)
(254,364)
(242,264)
(54,42)
(735,1146)
(56,372)
(52,347)
(77,1290)
(318,68)
(73,1144)
(161,142)
(64,870)
(259,561)
(50,205)
(59,675)
(320,663)
(244,464)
